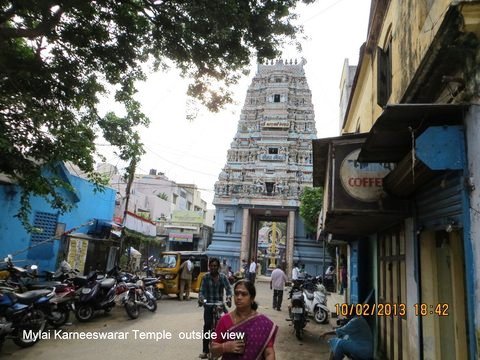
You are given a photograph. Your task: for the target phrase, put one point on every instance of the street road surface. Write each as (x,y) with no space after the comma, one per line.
(172,332)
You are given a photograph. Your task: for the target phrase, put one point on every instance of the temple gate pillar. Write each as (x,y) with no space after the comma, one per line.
(245,240)
(290,242)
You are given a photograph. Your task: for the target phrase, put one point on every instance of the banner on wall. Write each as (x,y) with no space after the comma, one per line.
(180,237)
(77,253)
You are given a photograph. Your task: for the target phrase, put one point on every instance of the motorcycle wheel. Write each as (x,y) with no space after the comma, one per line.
(33,321)
(158,294)
(59,317)
(132,309)
(84,313)
(299,333)
(320,316)
(151,305)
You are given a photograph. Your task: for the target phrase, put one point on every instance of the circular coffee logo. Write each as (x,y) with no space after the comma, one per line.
(363,181)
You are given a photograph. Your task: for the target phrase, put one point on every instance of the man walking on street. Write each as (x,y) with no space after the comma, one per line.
(214,284)
(252,271)
(186,270)
(277,283)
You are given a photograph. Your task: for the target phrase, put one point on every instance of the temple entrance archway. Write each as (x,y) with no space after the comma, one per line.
(270,239)
(271,244)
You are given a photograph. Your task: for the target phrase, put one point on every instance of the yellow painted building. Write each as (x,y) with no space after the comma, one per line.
(416,97)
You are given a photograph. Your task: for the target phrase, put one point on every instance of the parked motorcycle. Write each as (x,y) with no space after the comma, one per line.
(297,311)
(64,272)
(149,266)
(62,304)
(19,318)
(150,283)
(26,278)
(139,296)
(96,295)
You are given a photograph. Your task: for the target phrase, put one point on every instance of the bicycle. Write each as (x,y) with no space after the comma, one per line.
(218,309)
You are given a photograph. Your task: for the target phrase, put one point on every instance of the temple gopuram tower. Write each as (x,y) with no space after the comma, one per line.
(268,164)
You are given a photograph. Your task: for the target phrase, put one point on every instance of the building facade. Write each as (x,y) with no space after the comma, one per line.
(177,209)
(49,244)
(414,104)
(268,164)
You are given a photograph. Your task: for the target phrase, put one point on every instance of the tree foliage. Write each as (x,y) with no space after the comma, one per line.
(311,202)
(57,58)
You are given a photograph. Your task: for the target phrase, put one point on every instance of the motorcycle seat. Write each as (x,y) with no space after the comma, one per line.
(30,297)
(309,295)
(150,281)
(107,283)
(79,281)
(43,285)
(297,295)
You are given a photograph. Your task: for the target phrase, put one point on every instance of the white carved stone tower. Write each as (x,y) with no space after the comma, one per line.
(268,164)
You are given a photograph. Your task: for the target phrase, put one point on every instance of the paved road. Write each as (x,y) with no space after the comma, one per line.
(146,337)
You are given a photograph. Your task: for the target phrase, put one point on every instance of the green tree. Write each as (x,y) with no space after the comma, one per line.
(311,202)
(57,58)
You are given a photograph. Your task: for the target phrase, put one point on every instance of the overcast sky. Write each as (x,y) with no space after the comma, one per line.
(195,152)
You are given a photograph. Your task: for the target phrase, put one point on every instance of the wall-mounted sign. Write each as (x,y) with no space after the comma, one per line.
(77,253)
(276,124)
(363,181)
(180,237)
(185,216)
(273,157)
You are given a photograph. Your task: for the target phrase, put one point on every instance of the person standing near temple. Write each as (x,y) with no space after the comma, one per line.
(295,273)
(252,271)
(277,283)
(224,267)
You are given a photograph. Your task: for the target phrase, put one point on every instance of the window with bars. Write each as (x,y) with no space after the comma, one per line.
(384,74)
(46,223)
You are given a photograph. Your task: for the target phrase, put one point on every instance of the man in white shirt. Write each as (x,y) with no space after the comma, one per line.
(186,270)
(295,272)
(277,283)
(252,271)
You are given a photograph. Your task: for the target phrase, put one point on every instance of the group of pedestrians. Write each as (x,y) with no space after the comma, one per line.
(258,331)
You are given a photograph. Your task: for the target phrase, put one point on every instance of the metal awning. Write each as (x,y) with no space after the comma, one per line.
(351,225)
(392,135)
(320,155)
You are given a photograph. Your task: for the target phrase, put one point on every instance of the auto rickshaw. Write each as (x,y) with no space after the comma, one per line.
(168,270)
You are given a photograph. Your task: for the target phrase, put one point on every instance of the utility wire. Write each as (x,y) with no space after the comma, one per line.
(178,165)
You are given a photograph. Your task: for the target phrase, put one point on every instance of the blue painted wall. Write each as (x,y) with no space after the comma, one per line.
(89,205)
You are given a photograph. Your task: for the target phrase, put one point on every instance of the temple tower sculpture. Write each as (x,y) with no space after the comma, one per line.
(268,164)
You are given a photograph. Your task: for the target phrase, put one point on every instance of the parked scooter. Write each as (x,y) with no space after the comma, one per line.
(297,311)
(316,303)
(96,295)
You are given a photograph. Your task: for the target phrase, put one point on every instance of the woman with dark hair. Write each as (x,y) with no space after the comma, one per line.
(243,333)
